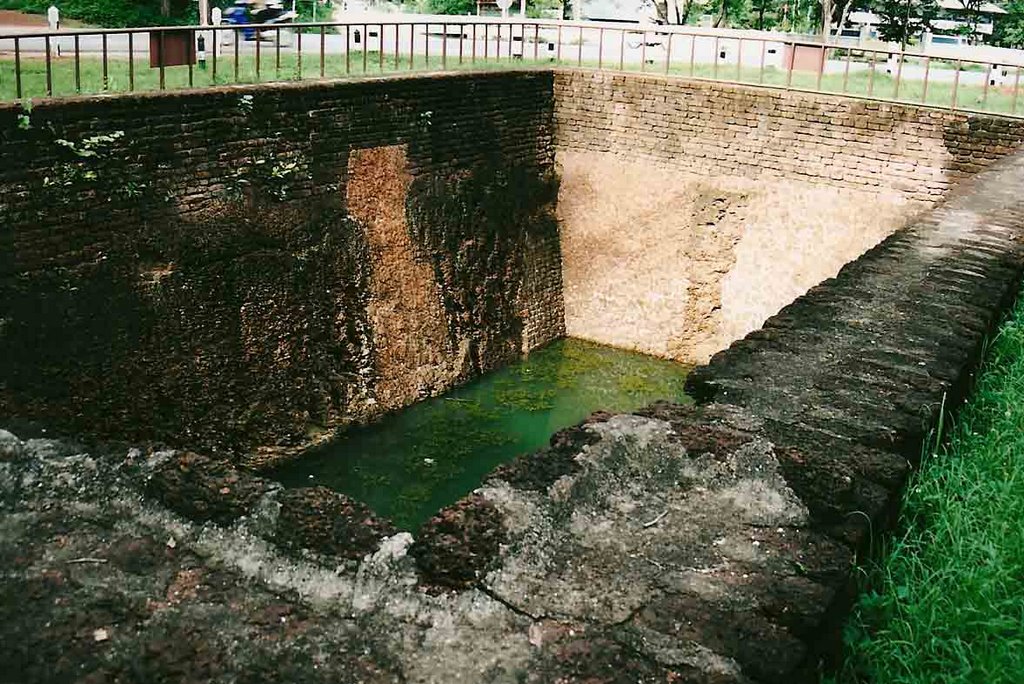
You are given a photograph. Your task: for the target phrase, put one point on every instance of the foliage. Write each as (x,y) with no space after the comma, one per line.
(543,9)
(81,168)
(946,602)
(275,177)
(764,14)
(902,20)
(25,118)
(111,13)
(451,6)
(734,13)
(1009,30)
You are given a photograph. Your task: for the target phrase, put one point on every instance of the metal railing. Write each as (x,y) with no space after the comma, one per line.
(53,64)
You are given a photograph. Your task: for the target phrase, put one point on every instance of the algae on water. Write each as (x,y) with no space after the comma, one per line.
(409,465)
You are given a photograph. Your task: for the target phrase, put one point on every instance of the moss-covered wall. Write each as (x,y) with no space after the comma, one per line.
(186,266)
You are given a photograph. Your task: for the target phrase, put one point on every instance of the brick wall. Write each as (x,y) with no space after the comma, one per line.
(185,267)
(716,128)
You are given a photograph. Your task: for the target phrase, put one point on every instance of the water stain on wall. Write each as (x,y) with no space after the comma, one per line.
(412,355)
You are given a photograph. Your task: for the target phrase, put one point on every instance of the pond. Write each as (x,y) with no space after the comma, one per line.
(416,461)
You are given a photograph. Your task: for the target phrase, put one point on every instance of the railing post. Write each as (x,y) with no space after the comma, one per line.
(444,46)
(760,74)
(49,69)
(739,60)
(78,65)
(984,92)
(1016,90)
(871,75)
(956,84)
(366,46)
(714,58)
(927,70)
(846,71)
(17,67)
(693,52)
(643,50)
(131,61)
(668,52)
(622,49)
(258,56)
(163,60)
(821,68)
(792,62)
(323,44)
(899,77)
(600,47)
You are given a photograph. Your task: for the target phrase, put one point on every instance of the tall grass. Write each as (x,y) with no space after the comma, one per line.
(948,598)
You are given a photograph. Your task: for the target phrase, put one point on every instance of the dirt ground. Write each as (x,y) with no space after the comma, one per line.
(12,18)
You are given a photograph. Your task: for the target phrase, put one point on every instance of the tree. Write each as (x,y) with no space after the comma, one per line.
(765,13)
(1009,30)
(452,6)
(677,12)
(903,20)
(731,13)
(970,29)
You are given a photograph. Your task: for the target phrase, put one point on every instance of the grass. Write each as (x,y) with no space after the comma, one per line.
(287,67)
(948,598)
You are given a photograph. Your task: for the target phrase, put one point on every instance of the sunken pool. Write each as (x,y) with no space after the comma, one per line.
(412,463)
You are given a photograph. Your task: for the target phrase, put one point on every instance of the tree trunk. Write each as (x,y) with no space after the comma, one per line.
(844,15)
(684,16)
(722,15)
(165,8)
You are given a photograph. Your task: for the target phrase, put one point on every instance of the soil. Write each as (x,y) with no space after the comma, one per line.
(12,18)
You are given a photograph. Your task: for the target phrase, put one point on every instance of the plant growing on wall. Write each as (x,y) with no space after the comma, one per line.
(274,178)
(83,161)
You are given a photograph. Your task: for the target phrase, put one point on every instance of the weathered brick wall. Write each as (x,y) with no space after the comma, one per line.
(194,273)
(716,128)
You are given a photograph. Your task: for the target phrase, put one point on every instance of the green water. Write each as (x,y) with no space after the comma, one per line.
(413,463)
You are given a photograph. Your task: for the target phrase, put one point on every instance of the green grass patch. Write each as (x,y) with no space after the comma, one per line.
(947,603)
